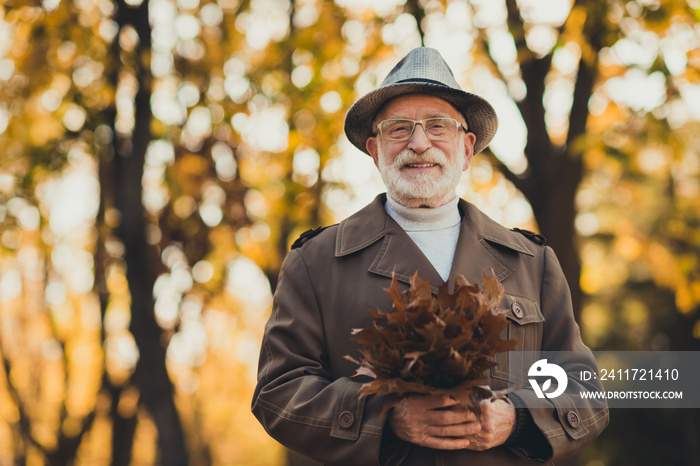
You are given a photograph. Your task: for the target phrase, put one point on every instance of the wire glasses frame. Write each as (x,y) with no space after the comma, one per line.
(435,129)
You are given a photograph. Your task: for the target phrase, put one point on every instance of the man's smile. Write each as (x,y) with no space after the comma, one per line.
(421,165)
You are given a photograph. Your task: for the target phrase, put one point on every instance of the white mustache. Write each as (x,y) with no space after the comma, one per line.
(430,156)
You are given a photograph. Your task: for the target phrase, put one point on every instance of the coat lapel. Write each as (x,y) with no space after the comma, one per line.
(399,254)
(474,256)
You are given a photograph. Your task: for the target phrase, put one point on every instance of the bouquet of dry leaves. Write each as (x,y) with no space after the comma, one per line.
(429,344)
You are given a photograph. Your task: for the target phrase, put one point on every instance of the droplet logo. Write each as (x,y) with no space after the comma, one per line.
(542,368)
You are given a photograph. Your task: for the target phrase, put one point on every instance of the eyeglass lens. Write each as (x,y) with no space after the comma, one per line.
(436,129)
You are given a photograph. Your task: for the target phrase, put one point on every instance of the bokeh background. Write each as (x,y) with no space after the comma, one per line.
(158,157)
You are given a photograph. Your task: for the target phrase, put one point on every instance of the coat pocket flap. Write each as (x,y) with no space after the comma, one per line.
(525,326)
(521,310)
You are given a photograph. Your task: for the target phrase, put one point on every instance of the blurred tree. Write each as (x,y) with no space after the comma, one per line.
(94,97)
(125,165)
(45,326)
(568,57)
(310,76)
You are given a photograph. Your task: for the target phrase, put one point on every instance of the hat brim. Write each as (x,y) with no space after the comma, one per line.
(480,115)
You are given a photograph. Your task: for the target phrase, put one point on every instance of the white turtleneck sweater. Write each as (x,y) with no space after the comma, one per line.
(434,230)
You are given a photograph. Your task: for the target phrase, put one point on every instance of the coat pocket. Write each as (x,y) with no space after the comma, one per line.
(525,322)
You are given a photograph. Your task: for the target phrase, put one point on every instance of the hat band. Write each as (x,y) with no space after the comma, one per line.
(422,80)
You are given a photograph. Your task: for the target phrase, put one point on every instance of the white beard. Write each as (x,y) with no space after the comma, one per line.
(421,189)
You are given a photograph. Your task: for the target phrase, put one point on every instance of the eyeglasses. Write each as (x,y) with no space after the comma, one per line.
(435,129)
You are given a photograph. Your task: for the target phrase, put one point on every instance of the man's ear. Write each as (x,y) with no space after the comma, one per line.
(469,142)
(373,149)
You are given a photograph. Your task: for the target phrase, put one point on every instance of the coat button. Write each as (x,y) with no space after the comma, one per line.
(573,419)
(517,310)
(346,419)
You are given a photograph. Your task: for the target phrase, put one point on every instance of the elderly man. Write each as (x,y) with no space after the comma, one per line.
(422,131)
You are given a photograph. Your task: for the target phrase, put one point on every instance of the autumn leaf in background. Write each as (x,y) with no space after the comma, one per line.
(432,343)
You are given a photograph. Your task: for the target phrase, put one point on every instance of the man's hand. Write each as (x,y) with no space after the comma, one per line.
(442,422)
(497,423)
(434,421)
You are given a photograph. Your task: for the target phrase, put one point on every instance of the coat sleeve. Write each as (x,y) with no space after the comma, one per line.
(297,400)
(567,425)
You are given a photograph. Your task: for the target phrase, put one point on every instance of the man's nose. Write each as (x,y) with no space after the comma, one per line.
(419,142)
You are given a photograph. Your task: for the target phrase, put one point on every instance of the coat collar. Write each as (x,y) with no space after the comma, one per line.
(473,257)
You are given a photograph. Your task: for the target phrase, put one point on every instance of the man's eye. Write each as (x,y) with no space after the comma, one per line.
(437,127)
(399,128)
(441,121)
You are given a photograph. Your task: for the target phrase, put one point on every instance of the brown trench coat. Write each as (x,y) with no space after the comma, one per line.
(305,396)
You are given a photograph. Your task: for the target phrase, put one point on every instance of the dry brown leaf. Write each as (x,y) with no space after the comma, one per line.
(428,343)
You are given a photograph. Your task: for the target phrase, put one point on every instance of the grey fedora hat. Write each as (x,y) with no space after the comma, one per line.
(422,71)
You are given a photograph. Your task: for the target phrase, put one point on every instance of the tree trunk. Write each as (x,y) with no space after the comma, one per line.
(555,172)
(142,259)
(555,212)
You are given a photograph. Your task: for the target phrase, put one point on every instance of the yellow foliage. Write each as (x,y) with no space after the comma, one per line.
(696,330)
(127,405)
(145,439)
(594,158)
(635,315)
(684,298)
(59,357)
(596,321)
(96,447)
(664,266)
(189,172)
(603,273)
(72,426)
(628,247)
(44,129)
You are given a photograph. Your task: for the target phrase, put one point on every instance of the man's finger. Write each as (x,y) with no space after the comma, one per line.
(436,401)
(445,417)
(442,443)
(455,430)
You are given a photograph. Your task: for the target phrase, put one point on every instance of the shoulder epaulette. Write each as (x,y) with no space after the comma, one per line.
(307,235)
(532,236)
